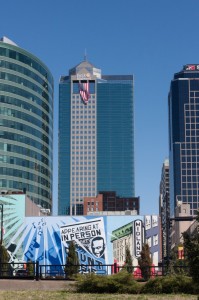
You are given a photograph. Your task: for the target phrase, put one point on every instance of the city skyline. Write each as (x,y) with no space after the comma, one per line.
(150,40)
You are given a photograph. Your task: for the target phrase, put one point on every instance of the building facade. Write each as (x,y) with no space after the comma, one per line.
(110,202)
(164,208)
(96,136)
(153,237)
(129,236)
(184,138)
(26,114)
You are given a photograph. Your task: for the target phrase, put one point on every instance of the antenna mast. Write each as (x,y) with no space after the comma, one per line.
(85,55)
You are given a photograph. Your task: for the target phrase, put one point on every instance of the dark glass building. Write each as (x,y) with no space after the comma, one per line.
(96,136)
(26,119)
(184,138)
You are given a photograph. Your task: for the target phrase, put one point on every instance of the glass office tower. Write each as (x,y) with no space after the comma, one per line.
(26,119)
(184,138)
(96,136)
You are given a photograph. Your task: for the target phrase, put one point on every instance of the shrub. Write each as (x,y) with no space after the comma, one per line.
(121,282)
(153,286)
(169,285)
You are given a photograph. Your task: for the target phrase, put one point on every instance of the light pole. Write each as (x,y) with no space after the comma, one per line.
(1,205)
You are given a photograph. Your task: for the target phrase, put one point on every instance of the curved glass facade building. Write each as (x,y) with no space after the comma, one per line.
(26,120)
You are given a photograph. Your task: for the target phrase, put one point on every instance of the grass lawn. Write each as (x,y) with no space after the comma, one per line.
(52,295)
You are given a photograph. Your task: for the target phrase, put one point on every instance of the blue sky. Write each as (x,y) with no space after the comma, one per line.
(149,39)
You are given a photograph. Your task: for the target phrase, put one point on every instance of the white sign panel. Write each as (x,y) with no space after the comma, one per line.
(138,237)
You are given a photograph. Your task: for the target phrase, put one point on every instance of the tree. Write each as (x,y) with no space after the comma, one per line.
(191,245)
(4,259)
(30,268)
(128,260)
(144,262)
(72,261)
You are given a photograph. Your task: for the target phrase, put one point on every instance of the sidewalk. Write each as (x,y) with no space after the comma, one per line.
(42,285)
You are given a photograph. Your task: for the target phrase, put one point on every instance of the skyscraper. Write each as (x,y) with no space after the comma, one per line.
(96,136)
(184,138)
(26,116)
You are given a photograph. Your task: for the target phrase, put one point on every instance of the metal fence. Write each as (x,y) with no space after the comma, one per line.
(36,271)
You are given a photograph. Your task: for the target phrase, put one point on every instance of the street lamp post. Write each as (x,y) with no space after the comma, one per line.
(1,205)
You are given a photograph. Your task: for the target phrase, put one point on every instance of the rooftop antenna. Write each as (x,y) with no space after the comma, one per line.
(85,55)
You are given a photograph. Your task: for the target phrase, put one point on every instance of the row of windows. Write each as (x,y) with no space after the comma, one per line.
(193,126)
(11,184)
(83,173)
(189,159)
(83,132)
(26,129)
(83,168)
(25,105)
(24,163)
(83,163)
(83,117)
(24,175)
(5,111)
(190,185)
(83,147)
(190,153)
(82,195)
(191,199)
(192,107)
(83,157)
(26,152)
(194,139)
(194,132)
(188,146)
(76,107)
(190,165)
(85,152)
(83,137)
(26,83)
(85,112)
(194,94)
(83,183)
(192,120)
(83,122)
(83,189)
(83,142)
(92,203)
(92,209)
(26,72)
(190,172)
(189,192)
(83,127)
(29,96)
(25,140)
(191,113)
(83,178)
(78,97)
(26,60)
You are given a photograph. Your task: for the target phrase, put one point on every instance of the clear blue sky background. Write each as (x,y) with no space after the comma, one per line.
(150,39)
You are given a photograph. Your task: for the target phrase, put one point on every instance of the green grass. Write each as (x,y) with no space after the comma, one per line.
(52,295)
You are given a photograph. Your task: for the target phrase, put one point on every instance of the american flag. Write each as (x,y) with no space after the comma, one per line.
(84,91)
